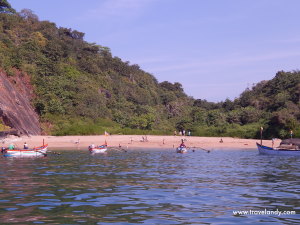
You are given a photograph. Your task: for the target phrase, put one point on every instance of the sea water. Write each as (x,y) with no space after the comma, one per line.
(150,187)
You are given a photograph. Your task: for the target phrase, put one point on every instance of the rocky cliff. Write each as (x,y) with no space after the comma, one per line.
(16,110)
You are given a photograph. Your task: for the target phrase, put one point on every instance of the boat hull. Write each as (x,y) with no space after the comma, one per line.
(98,149)
(35,152)
(271,151)
(181,150)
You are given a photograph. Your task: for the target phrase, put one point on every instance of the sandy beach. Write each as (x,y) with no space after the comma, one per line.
(134,142)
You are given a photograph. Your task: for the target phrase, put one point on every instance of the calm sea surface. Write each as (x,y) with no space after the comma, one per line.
(149,187)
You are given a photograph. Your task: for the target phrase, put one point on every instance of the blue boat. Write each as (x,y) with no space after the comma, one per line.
(276,151)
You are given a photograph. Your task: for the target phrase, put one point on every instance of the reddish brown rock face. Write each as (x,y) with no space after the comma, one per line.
(16,110)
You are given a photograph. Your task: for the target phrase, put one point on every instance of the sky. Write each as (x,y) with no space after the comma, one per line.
(214,48)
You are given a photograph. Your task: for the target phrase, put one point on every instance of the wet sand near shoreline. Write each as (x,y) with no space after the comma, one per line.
(135,142)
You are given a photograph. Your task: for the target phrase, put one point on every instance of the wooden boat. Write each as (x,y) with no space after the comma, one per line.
(276,151)
(181,149)
(98,149)
(39,151)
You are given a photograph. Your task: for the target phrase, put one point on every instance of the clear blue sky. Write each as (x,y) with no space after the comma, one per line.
(214,48)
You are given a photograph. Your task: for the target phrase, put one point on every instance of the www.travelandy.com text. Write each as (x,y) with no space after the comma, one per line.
(263,212)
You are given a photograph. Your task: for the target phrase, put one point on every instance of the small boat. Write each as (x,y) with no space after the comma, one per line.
(39,151)
(98,149)
(181,149)
(277,151)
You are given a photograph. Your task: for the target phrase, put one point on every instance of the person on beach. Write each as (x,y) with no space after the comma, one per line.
(25,145)
(11,147)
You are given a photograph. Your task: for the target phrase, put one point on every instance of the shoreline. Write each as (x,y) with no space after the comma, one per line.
(134,142)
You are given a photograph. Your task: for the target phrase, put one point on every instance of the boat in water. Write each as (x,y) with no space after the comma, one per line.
(98,149)
(181,149)
(33,152)
(281,150)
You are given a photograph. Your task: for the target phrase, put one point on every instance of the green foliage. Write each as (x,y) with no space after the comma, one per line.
(250,115)
(234,130)
(81,126)
(5,7)
(76,79)
(3,127)
(216,118)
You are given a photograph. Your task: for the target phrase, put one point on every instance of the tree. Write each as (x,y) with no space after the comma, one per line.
(5,7)
(250,115)
(28,14)
(228,105)
(199,116)
(216,118)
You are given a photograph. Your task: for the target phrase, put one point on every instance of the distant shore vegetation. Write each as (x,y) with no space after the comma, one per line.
(81,89)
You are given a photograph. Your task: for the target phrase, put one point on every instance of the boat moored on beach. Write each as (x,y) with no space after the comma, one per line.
(265,150)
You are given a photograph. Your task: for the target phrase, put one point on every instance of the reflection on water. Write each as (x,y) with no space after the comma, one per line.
(150,187)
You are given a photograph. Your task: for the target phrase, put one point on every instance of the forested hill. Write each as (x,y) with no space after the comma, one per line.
(77,87)
(278,102)
(80,83)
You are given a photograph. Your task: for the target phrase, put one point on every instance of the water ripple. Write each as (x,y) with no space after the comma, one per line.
(150,187)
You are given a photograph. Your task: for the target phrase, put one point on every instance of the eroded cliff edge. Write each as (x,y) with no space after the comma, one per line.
(16,110)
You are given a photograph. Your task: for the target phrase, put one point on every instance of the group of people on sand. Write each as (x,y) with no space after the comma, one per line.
(182,133)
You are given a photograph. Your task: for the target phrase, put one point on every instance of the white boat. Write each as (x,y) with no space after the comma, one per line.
(98,149)
(181,150)
(39,151)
